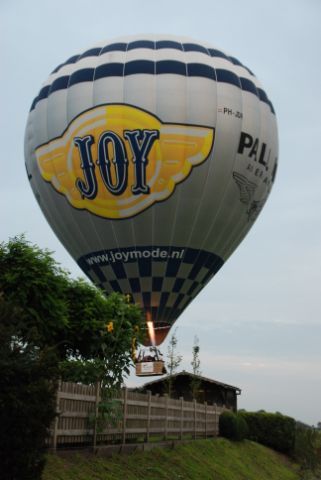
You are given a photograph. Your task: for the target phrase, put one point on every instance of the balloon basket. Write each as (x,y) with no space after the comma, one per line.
(150,363)
(146,369)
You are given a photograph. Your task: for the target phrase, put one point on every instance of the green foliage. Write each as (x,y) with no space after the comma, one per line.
(109,413)
(101,340)
(307,448)
(271,429)
(69,316)
(50,326)
(232,426)
(90,312)
(32,281)
(27,400)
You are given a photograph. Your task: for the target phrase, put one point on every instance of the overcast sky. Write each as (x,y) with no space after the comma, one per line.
(259,320)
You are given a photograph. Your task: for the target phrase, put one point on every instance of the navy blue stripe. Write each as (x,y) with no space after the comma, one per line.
(190,255)
(194,47)
(58,68)
(170,66)
(200,70)
(235,61)
(34,103)
(141,44)
(271,106)
(168,44)
(150,67)
(217,53)
(139,66)
(60,83)
(114,47)
(44,92)
(226,76)
(37,99)
(93,52)
(83,75)
(187,47)
(109,70)
(262,95)
(122,46)
(70,61)
(248,86)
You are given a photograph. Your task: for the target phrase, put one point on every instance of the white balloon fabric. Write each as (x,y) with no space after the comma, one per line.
(151,158)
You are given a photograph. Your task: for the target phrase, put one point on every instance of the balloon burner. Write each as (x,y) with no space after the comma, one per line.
(151,332)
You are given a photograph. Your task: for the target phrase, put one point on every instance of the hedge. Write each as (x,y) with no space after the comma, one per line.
(271,429)
(232,426)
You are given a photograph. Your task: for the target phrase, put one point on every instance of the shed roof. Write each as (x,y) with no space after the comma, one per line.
(188,374)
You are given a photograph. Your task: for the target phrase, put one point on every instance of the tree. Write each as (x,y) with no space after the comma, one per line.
(32,281)
(51,325)
(196,363)
(100,335)
(27,399)
(68,315)
(173,362)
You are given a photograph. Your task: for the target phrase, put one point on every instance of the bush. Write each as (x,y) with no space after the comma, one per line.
(27,408)
(232,426)
(307,447)
(48,320)
(273,430)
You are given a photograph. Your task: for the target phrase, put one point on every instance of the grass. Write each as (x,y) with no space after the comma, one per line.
(214,459)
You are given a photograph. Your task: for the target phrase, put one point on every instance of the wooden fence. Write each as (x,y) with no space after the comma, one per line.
(144,418)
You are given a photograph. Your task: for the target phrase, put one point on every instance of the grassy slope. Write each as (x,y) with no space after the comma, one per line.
(216,459)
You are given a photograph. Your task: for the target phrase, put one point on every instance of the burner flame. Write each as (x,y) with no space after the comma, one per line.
(151,331)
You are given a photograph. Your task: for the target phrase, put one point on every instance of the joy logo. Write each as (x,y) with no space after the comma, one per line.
(117,160)
(140,142)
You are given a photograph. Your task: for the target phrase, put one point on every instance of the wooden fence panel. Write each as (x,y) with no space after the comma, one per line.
(145,418)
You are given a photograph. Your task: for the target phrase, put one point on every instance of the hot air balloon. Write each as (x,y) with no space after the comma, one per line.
(151,157)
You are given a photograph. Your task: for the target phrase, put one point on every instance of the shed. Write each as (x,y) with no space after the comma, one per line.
(210,391)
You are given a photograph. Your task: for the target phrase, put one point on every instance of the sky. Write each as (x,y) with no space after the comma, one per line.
(258,321)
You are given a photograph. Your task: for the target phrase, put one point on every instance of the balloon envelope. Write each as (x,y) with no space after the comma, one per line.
(151,158)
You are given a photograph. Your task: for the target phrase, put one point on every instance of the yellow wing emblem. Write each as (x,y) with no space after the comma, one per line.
(117,160)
